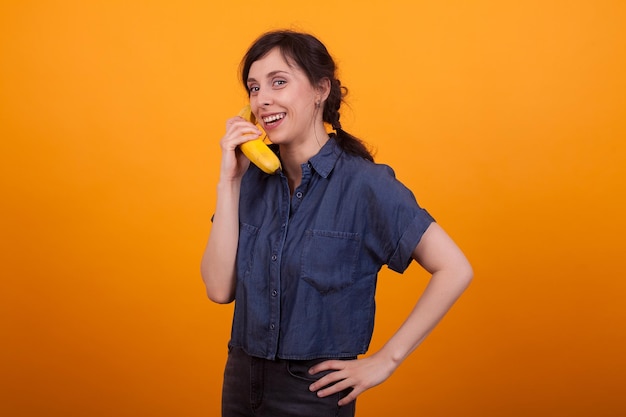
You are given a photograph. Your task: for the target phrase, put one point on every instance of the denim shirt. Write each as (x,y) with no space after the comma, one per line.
(307,264)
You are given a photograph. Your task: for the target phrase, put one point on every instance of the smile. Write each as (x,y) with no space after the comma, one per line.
(273,117)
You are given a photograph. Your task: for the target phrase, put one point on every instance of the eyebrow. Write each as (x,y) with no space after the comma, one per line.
(269,75)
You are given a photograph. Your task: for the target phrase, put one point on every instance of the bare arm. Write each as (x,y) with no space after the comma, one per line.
(451,274)
(218,261)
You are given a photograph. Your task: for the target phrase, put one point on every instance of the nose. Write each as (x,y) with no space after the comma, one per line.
(264,97)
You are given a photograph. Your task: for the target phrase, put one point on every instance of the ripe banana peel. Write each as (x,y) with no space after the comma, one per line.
(256,150)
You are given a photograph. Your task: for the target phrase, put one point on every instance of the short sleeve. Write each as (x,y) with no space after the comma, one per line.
(396,221)
(402,256)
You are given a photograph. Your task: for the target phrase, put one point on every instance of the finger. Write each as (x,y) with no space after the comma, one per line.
(327,380)
(239,129)
(237,121)
(326,366)
(333,389)
(233,139)
(349,398)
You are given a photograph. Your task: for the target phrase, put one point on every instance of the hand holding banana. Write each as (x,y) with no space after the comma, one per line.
(256,150)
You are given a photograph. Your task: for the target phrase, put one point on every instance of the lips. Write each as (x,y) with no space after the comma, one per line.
(273,118)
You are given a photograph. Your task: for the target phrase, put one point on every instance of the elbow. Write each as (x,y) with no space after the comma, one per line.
(220,297)
(220,294)
(460,274)
(218,290)
(466,275)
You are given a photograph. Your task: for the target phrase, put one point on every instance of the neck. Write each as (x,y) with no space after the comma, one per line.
(293,155)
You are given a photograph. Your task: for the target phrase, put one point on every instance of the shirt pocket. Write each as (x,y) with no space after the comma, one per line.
(247,239)
(329,259)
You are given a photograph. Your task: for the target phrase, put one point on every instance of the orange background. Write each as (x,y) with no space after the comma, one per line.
(507,119)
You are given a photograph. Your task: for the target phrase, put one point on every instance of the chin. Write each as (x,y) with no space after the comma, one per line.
(276,139)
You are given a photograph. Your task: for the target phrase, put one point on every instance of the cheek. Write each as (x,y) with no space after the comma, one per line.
(304,94)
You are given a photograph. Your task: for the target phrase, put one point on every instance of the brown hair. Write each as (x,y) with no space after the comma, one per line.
(315,61)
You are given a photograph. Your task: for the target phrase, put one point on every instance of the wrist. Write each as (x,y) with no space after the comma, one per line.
(388,359)
(393,354)
(226,183)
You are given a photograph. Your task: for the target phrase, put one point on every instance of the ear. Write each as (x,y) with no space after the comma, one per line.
(323,89)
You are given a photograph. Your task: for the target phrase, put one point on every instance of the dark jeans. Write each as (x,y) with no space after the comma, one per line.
(265,388)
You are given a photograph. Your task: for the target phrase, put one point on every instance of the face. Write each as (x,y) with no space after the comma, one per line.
(283,100)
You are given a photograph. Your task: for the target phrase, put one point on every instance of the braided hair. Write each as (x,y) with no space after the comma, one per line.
(314,60)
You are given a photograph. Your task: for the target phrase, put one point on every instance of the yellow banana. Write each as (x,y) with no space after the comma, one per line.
(256,150)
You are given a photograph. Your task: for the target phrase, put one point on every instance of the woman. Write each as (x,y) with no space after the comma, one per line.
(299,251)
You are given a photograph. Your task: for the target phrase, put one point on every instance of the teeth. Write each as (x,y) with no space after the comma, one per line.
(273,117)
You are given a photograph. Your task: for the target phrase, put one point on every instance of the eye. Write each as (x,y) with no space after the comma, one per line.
(253,89)
(279,83)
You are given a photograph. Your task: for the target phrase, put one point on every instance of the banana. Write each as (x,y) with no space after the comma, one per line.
(256,150)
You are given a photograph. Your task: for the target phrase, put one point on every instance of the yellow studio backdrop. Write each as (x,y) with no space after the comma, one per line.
(507,119)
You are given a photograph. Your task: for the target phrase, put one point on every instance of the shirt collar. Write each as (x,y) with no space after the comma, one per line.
(324,161)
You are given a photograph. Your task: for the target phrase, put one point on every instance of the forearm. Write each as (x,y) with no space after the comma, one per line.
(444,288)
(218,260)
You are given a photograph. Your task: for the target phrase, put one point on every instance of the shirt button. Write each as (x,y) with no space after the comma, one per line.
(274,257)
(274,293)
(272,326)
(299,194)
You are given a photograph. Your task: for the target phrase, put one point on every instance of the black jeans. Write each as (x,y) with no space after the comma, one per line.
(257,387)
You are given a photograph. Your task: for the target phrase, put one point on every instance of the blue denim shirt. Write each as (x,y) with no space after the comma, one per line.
(307,264)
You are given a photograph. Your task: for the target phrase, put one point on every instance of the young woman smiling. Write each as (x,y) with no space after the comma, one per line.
(299,252)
